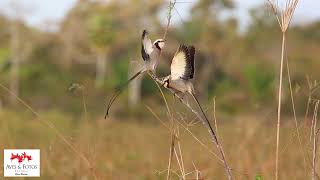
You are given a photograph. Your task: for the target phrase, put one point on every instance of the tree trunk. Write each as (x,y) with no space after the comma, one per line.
(14,81)
(100,69)
(15,62)
(134,87)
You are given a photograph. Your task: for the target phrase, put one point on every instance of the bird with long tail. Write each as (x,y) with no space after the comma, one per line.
(150,53)
(182,73)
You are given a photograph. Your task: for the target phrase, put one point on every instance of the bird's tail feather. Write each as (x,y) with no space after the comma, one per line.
(206,119)
(119,90)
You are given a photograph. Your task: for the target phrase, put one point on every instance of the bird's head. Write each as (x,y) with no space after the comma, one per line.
(166,81)
(159,43)
(166,84)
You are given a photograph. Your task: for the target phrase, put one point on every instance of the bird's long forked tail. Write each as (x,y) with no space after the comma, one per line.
(206,119)
(213,134)
(119,90)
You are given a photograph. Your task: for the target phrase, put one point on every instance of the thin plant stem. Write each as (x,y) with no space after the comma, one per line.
(179,154)
(284,17)
(204,122)
(295,116)
(279,105)
(214,115)
(157,117)
(170,8)
(308,102)
(171,129)
(181,158)
(84,105)
(194,136)
(163,97)
(51,126)
(169,16)
(170,156)
(201,143)
(179,163)
(198,173)
(314,141)
(311,130)
(307,110)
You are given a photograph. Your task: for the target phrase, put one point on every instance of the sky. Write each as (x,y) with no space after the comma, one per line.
(38,12)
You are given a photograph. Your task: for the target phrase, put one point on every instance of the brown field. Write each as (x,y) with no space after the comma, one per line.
(135,150)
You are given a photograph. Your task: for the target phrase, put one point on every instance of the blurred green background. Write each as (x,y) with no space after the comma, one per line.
(97,46)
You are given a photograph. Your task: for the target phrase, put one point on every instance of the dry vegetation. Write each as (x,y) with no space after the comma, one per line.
(284,16)
(134,150)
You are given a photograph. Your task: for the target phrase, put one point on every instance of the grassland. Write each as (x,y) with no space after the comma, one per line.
(134,150)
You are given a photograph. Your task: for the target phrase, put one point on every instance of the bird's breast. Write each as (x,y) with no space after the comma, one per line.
(178,85)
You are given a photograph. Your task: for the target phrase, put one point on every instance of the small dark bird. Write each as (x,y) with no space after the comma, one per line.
(150,54)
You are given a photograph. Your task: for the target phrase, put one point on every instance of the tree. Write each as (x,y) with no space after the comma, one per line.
(212,37)
(18,47)
(144,19)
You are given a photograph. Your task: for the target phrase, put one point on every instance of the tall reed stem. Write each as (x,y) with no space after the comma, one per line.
(279,104)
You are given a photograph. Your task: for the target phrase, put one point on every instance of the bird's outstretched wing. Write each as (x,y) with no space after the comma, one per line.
(146,46)
(182,65)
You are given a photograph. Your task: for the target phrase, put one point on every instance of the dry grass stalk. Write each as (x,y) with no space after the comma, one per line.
(315,116)
(313,87)
(206,123)
(183,172)
(201,143)
(56,131)
(315,153)
(173,135)
(179,158)
(214,115)
(311,130)
(309,100)
(295,116)
(284,16)
(179,164)
(170,156)
(169,16)
(158,118)
(190,132)
(81,88)
(198,173)
(171,129)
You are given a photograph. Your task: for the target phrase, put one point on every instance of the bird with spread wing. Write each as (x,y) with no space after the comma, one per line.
(182,73)
(150,53)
